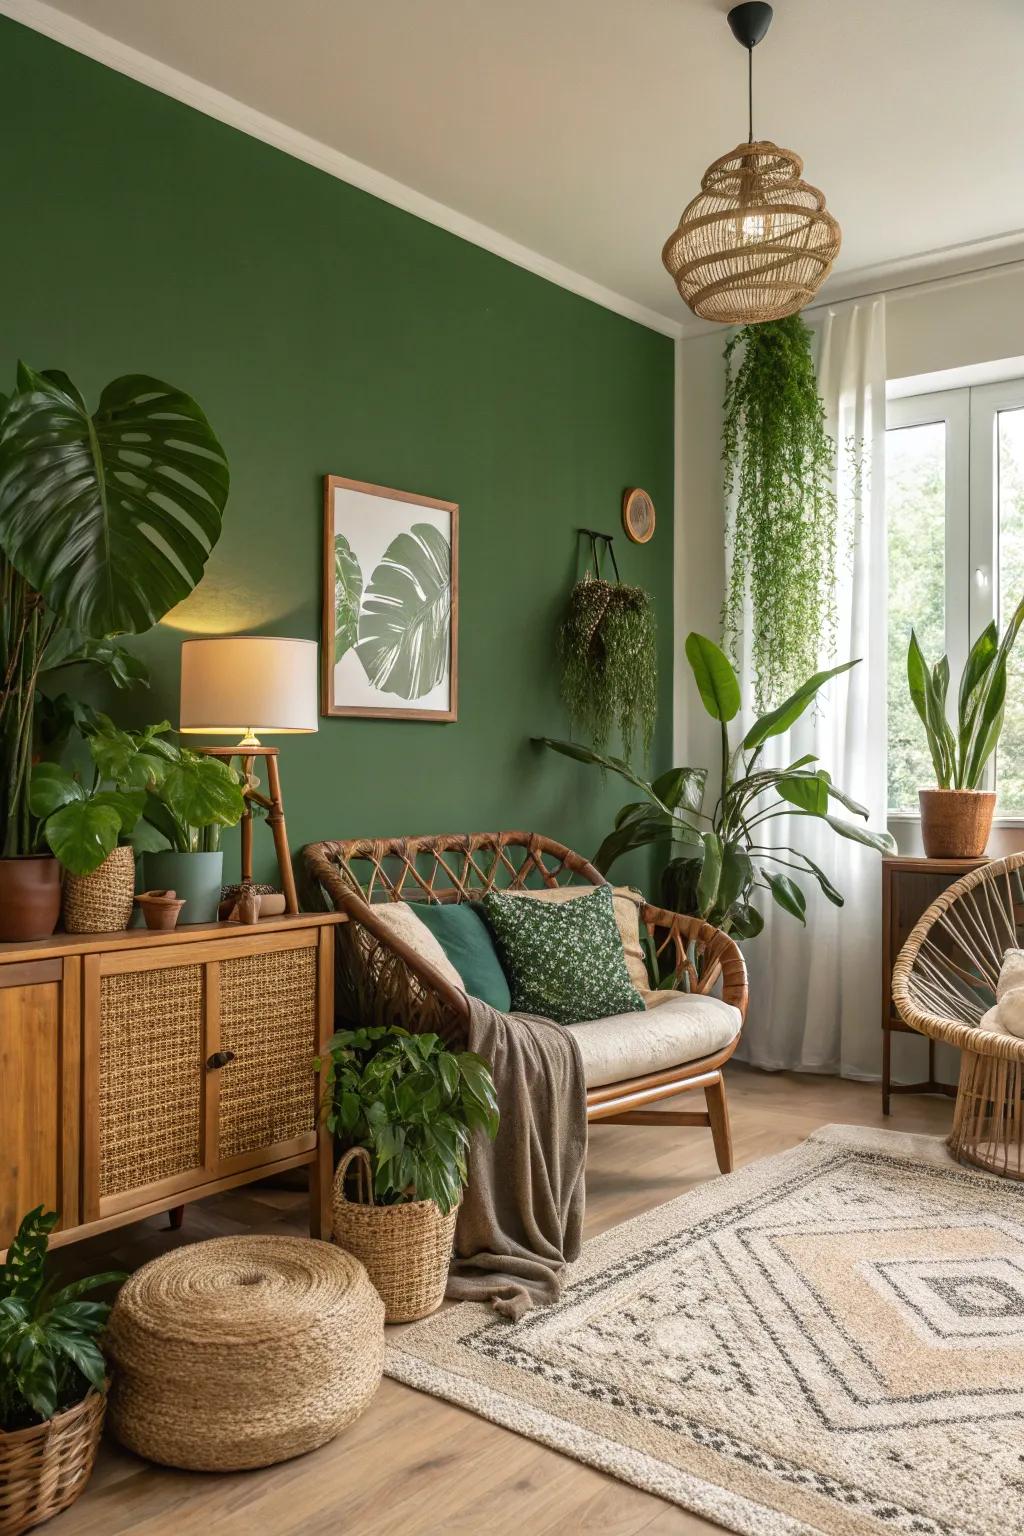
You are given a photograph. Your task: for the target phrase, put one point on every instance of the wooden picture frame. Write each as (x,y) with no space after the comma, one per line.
(359,605)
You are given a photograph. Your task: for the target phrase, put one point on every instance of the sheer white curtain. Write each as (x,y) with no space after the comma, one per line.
(815,991)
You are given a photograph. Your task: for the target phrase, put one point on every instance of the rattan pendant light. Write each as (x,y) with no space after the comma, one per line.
(756,243)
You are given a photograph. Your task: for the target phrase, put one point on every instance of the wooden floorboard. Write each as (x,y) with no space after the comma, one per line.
(413,1465)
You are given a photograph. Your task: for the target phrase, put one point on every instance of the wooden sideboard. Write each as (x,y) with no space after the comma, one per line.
(909,886)
(142,1070)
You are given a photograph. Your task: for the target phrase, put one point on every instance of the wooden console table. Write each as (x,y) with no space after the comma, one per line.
(142,1070)
(909,886)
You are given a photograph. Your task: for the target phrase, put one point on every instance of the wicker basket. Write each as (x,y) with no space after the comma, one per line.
(45,1468)
(406,1249)
(243,1351)
(101,902)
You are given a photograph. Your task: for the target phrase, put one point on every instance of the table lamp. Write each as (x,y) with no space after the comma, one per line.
(252,685)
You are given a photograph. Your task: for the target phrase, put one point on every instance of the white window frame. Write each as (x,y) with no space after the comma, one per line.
(970,416)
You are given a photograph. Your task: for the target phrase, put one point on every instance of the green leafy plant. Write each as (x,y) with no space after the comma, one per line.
(609,657)
(723,862)
(49,1355)
(189,802)
(82,824)
(413,1105)
(779,463)
(959,757)
(106,522)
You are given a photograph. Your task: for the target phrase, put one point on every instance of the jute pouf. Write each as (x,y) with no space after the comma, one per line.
(242,1351)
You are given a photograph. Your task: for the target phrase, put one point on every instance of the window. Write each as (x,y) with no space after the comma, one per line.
(955,530)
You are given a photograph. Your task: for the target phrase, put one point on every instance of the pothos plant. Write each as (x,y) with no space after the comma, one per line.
(723,860)
(413,1105)
(783,515)
(608,646)
(49,1355)
(106,522)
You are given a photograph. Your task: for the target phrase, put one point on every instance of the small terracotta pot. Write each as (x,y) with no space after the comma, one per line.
(29,897)
(160,908)
(955,823)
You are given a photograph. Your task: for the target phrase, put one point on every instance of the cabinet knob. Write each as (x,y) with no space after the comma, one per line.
(220,1059)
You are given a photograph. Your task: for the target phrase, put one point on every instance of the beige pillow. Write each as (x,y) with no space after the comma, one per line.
(400,921)
(627,904)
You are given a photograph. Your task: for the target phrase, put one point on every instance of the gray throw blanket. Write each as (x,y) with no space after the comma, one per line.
(522,1214)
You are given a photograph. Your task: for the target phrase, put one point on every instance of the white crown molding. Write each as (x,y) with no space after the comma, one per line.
(151,72)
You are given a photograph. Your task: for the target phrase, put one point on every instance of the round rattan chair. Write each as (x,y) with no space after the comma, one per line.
(944,982)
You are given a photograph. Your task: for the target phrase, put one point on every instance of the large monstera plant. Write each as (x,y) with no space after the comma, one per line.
(399,623)
(722,861)
(106,522)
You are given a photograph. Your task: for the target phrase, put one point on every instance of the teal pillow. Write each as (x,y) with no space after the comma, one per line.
(466,940)
(564,960)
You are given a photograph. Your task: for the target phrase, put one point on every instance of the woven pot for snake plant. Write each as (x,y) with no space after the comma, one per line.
(101,902)
(242,1351)
(405,1249)
(44,1468)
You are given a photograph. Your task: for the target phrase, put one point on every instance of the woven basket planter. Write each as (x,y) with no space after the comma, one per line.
(43,1469)
(243,1351)
(955,823)
(101,902)
(406,1249)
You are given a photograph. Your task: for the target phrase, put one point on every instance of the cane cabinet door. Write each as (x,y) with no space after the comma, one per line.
(39,1071)
(199,1064)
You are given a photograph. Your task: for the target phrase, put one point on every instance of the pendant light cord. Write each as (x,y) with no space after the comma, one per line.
(750,95)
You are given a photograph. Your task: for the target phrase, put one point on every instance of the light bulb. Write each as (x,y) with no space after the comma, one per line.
(752,228)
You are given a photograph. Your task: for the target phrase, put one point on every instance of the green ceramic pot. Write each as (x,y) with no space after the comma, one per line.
(195,877)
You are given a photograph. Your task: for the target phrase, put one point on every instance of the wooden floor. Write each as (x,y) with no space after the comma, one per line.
(413,1465)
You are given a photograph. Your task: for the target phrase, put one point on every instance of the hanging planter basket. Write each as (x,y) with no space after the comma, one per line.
(609,657)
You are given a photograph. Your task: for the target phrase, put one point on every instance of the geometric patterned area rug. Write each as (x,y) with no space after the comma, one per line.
(829,1341)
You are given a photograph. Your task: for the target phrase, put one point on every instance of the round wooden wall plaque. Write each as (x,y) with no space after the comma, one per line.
(638,516)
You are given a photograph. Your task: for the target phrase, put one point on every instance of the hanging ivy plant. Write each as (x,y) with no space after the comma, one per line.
(609,662)
(779,483)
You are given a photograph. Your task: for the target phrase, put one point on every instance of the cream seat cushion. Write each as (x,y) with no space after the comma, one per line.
(683,1028)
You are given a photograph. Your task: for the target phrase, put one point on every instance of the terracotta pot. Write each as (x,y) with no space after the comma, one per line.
(161,909)
(29,897)
(955,823)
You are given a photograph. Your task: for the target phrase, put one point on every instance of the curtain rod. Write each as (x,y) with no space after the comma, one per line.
(947,280)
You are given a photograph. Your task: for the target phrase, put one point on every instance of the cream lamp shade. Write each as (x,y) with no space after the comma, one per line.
(248,684)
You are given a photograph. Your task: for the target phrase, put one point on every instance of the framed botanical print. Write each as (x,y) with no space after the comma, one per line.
(390,603)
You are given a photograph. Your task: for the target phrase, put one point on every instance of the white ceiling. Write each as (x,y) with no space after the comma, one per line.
(580,128)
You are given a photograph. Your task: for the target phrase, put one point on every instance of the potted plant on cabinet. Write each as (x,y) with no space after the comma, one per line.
(92,829)
(407,1107)
(724,862)
(194,797)
(956,815)
(80,496)
(52,1380)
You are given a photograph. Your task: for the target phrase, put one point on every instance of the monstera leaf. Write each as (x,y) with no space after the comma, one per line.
(348,594)
(110,517)
(406,616)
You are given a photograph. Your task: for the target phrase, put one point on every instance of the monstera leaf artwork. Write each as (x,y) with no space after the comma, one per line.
(403,624)
(391,603)
(348,594)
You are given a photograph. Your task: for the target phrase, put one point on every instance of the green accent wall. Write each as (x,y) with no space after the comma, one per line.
(324,331)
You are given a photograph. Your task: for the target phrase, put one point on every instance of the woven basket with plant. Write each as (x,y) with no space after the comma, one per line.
(407,1106)
(52,1381)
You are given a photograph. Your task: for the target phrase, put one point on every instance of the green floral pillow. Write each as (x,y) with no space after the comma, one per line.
(563,960)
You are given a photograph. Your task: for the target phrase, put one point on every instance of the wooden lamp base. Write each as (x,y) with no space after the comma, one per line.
(274,807)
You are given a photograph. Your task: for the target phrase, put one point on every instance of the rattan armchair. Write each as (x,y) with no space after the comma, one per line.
(352,876)
(943,983)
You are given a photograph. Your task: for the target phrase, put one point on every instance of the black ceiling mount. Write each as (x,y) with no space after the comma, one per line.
(750,22)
